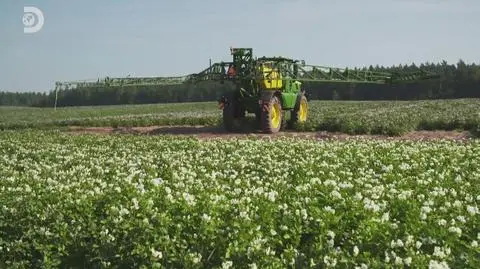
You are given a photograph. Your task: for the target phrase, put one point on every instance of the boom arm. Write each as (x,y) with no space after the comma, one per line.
(321,74)
(289,68)
(327,74)
(127,81)
(216,71)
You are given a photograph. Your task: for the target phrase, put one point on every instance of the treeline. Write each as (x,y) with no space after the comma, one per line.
(457,81)
(23,98)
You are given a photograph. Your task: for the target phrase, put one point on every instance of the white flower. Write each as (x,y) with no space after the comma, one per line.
(157,181)
(385,217)
(398,261)
(426,209)
(387,168)
(135,203)
(441,252)
(362,266)
(330,262)
(409,240)
(423,216)
(472,210)
(474,244)
(271,196)
(124,211)
(190,199)
(404,195)
(331,234)
(227,264)
(370,205)
(453,192)
(156,254)
(269,252)
(404,166)
(336,194)
(329,209)
(437,265)
(206,217)
(456,230)
(304,213)
(197,258)
(355,251)
(244,215)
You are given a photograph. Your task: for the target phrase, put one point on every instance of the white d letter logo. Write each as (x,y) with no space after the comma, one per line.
(32,20)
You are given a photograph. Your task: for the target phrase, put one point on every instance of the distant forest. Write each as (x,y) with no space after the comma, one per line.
(457,81)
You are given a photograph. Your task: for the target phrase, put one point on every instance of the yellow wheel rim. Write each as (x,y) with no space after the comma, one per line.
(302,112)
(275,116)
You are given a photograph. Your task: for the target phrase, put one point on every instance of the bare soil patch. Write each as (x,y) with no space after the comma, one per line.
(206,132)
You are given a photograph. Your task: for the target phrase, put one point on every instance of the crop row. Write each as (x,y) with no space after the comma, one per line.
(355,117)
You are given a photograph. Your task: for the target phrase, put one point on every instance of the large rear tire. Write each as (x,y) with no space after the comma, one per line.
(228,117)
(272,116)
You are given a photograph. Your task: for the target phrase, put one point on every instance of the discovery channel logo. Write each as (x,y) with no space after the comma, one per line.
(33,20)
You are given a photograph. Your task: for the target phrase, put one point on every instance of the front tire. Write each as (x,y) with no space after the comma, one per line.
(300,112)
(272,116)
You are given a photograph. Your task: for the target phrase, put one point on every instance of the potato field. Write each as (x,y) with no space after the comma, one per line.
(165,201)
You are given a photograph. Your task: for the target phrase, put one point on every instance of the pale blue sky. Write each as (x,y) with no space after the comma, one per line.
(89,39)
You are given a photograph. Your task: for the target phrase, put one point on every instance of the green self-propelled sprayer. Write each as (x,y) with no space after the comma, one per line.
(265,86)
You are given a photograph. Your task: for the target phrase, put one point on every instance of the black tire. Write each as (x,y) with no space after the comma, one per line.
(300,111)
(272,117)
(228,117)
(232,111)
(258,118)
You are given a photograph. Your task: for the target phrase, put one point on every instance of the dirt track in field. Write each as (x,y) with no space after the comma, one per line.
(203,132)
